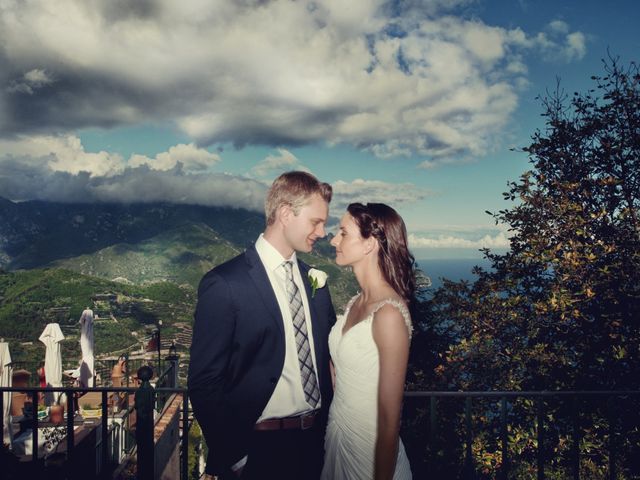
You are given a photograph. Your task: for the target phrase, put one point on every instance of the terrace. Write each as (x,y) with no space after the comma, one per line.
(140,430)
(103,430)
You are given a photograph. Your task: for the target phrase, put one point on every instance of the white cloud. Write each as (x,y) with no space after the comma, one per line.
(57,168)
(559,26)
(557,43)
(365,191)
(173,186)
(576,46)
(30,81)
(284,161)
(500,240)
(280,73)
(60,153)
(192,158)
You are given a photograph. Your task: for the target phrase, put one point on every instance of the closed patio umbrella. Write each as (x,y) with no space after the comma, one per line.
(51,337)
(6,372)
(86,346)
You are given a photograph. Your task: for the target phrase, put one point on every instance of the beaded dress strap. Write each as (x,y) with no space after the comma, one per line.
(401,307)
(350,304)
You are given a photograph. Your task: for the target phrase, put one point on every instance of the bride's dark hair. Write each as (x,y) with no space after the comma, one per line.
(394,259)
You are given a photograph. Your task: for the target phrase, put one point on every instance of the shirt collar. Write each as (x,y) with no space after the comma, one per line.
(270,256)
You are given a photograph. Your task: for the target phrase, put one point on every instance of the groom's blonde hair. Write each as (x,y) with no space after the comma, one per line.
(294,189)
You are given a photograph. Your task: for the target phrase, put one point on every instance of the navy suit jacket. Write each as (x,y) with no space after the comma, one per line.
(238,350)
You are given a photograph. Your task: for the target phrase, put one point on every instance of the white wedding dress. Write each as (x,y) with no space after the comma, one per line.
(353,416)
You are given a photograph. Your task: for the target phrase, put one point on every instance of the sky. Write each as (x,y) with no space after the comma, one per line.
(414,103)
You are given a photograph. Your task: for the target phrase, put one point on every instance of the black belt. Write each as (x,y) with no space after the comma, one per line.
(299,422)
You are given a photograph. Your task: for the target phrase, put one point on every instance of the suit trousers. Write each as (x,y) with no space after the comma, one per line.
(285,455)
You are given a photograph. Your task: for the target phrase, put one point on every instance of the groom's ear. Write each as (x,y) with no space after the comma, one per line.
(284,213)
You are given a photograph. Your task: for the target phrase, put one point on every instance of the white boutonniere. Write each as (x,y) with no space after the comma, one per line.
(318,279)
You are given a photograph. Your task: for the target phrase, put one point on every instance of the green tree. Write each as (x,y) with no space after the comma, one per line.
(559,310)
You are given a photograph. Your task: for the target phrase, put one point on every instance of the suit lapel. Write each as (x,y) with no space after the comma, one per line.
(261,281)
(262,284)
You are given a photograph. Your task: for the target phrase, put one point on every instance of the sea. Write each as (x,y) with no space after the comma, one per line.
(455,269)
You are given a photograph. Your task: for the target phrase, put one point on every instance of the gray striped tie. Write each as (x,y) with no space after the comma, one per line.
(309,381)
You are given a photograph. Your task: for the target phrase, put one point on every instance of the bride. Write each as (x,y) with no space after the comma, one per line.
(369,348)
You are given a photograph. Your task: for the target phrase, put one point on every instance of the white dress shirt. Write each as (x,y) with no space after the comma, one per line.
(288,398)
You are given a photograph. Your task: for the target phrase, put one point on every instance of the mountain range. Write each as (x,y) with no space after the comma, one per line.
(56,259)
(36,233)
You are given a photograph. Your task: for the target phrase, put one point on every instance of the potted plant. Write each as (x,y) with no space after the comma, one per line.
(88,410)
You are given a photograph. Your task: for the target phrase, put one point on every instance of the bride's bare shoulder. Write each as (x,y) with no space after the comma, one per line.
(393,313)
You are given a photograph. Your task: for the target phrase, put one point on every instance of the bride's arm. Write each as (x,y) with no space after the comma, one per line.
(392,338)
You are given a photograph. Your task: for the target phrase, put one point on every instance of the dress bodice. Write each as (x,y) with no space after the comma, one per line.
(360,334)
(353,417)
(369,319)
(356,359)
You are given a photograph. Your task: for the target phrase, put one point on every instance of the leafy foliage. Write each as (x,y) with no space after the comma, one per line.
(558,311)
(32,298)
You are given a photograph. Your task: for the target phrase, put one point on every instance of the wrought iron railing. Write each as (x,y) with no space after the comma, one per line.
(473,411)
(167,380)
(102,368)
(610,407)
(112,442)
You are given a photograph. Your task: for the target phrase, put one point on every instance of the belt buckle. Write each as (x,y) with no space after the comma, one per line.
(304,425)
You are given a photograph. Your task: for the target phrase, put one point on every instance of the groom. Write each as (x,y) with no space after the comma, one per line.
(259,377)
